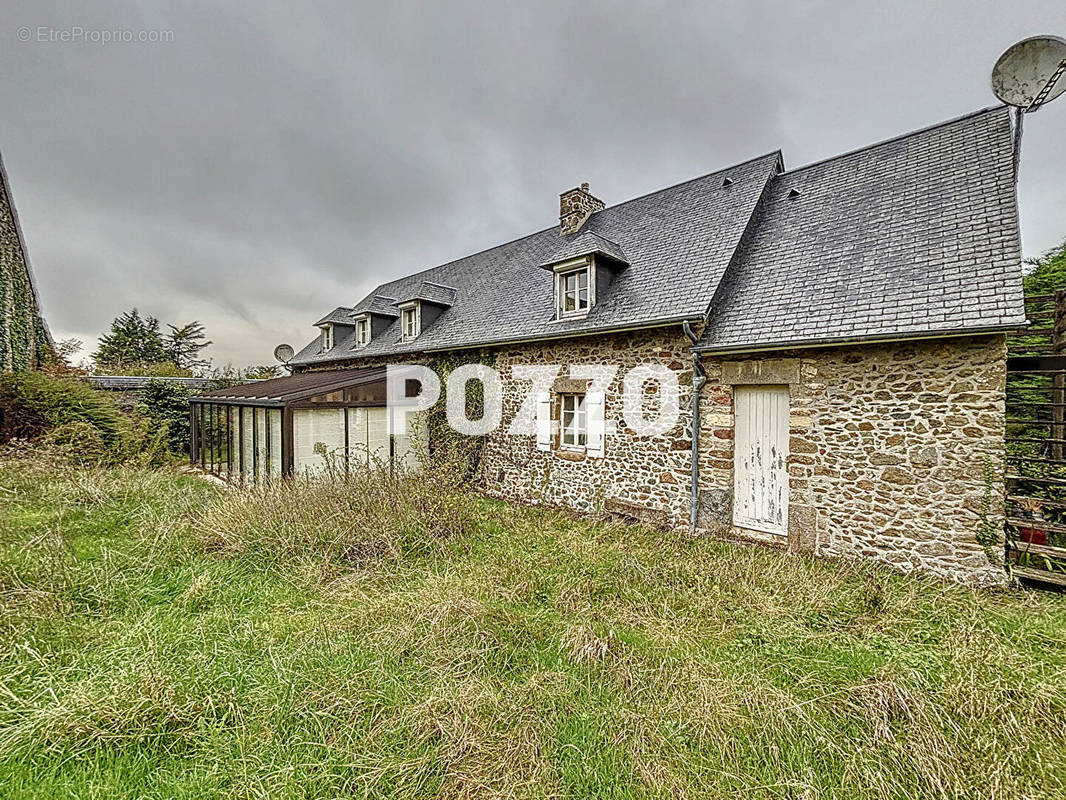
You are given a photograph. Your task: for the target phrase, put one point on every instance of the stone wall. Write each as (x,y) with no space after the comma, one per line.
(887,445)
(888,449)
(652,472)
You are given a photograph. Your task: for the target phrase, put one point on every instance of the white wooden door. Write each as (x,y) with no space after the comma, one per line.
(760,458)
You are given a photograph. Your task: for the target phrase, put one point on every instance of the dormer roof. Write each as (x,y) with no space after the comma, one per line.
(430,292)
(377,304)
(338,316)
(585,243)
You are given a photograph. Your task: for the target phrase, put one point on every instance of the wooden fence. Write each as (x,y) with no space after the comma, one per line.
(1036,443)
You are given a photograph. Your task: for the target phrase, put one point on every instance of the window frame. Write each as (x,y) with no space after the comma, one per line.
(579,429)
(415,311)
(575,269)
(326,337)
(362,332)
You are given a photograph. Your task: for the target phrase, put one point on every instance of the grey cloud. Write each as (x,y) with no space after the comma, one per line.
(274,161)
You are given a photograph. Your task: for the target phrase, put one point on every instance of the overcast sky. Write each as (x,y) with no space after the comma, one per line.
(266,163)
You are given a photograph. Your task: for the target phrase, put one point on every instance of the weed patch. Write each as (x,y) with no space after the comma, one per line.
(388,635)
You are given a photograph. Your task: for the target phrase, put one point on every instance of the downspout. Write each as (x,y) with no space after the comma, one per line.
(699,377)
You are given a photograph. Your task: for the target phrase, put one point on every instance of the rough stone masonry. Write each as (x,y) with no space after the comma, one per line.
(887,453)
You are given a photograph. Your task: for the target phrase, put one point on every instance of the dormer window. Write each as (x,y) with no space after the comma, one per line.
(410,322)
(362,332)
(326,339)
(573,290)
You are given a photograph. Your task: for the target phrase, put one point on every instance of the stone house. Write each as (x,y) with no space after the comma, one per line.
(836,333)
(24,335)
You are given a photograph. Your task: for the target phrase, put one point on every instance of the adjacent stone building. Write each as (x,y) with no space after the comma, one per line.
(843,323)
(24,337)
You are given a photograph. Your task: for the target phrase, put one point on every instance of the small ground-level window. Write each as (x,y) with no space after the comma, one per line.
(574,421)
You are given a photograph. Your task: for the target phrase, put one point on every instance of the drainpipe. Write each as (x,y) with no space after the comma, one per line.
(698,379)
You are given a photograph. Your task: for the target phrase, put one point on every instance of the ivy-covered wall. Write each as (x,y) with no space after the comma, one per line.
(23,335)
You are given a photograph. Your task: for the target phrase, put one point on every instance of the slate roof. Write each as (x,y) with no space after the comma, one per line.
(678,242)
(917,235)
(584,243)
(914,236)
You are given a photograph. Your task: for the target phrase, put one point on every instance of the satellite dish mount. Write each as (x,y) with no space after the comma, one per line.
(1027,76)
(284,353)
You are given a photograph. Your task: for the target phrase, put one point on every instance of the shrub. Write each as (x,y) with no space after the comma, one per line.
(33,404)
(167,406)
(77,441)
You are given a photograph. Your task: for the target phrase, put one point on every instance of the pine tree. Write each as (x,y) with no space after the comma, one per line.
(133,340)
(185,343)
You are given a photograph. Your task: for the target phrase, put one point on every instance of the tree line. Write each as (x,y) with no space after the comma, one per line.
(139,345)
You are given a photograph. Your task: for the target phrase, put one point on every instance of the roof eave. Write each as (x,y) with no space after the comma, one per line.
(658,323)
(800,344)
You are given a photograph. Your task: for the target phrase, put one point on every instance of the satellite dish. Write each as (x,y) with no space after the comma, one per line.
(1031,72)
(284,353)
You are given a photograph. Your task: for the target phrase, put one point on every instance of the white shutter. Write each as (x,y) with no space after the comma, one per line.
(544,421)
(594,410)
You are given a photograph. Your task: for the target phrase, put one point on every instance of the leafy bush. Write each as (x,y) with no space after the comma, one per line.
(58,411)
(166,405)
(78,441)
(1049,273)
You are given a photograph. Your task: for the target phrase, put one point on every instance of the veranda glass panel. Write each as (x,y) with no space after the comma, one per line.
(274,416)
(318,426)
(357,449)
(247,445)
(208,454)
(260,444)
(233,456)
(404,454)
(368,437)
(377,437)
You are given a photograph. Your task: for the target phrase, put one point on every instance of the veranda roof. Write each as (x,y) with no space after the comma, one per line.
(279,392)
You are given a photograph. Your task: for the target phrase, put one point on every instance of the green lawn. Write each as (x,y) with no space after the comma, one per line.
(160,637)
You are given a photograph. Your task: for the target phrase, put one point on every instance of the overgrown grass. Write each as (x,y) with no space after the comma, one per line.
(160,637)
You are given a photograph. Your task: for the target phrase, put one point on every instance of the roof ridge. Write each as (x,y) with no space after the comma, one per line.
(706,175)
(738,165)
(896,138)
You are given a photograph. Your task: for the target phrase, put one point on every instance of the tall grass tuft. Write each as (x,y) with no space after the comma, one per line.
(347,519)
(154,643)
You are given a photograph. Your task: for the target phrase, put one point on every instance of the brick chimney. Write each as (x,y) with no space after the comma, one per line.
(576,206)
